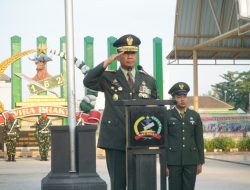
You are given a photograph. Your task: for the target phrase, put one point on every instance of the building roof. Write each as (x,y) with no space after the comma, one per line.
(208,102)
(5,78)
(211,28)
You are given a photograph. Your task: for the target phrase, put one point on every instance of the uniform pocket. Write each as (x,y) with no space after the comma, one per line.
(172,123)
(109,122)
(172,149)
(193,149)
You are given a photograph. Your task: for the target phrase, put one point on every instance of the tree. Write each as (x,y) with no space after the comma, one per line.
(234,90)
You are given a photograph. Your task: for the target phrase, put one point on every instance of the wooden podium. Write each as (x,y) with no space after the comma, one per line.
(145,139)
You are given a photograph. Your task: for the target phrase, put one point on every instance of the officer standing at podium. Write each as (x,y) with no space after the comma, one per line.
(185,149)
(126,83)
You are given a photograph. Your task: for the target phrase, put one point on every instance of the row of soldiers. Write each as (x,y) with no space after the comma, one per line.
(42,134)
(11,131)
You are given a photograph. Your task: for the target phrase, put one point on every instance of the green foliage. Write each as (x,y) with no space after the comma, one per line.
(244,144)
(224,143)
(235,89)
(208,144)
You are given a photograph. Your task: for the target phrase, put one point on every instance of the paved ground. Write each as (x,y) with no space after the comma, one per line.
(26,174)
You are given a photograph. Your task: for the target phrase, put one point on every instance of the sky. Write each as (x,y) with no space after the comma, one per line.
(100,19)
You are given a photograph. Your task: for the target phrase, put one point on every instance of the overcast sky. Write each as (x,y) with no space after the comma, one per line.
(100,19)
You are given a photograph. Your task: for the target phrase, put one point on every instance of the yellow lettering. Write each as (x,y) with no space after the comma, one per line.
(61,111)
(20,113)
(50,110)
(32,111)
(55,110)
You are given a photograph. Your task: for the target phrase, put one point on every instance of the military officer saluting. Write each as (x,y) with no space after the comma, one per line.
(185,149)
(43,134)
(124,84)
(11,132)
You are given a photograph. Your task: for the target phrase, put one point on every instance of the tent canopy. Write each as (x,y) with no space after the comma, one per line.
(211,28)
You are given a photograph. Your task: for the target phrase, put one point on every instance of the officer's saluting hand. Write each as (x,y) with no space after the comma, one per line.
(111,59)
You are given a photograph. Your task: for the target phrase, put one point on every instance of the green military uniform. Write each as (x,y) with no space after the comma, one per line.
(112,135)
(11,137)
(185,147)
(43,136)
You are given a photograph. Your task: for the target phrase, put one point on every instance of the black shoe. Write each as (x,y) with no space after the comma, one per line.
(13,158)
(9,158)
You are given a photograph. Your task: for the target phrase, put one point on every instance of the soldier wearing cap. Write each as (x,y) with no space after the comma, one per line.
(126,83)
(11,133)
(185,147)
(43,134)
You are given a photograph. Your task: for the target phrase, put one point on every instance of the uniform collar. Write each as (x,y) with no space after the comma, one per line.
(180,111)
(125,72)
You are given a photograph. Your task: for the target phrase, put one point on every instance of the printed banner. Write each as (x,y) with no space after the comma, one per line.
(226,126)
(92,118)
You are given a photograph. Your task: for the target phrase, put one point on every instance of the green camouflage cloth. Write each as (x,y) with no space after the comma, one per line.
(11,135)
(43,136)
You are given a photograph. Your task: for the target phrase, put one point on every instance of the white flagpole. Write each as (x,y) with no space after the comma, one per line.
(70,80)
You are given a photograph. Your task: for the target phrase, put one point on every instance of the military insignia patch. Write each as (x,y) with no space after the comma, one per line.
(192,120)
(115,97)
(147,127)
(181,86)
(115,82)
(144,91)
(130,40)
(115,86)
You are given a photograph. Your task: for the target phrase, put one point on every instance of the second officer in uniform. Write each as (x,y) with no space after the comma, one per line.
(185,149)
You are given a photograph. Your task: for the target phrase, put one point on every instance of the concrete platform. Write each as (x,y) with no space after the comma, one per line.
(27,173)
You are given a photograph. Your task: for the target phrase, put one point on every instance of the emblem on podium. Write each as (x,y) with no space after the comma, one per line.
(147,127)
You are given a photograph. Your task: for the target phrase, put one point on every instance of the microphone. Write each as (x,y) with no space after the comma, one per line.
(140,68)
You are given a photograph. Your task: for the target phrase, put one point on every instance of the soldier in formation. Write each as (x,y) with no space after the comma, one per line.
(11,135)
(43,134)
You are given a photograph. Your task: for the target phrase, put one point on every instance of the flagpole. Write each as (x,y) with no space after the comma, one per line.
(70,80)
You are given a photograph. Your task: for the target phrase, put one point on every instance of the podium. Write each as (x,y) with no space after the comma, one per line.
(145,139)
(86,177)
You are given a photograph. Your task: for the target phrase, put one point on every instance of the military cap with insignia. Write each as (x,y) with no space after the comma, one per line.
(180,88)
(127,43)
